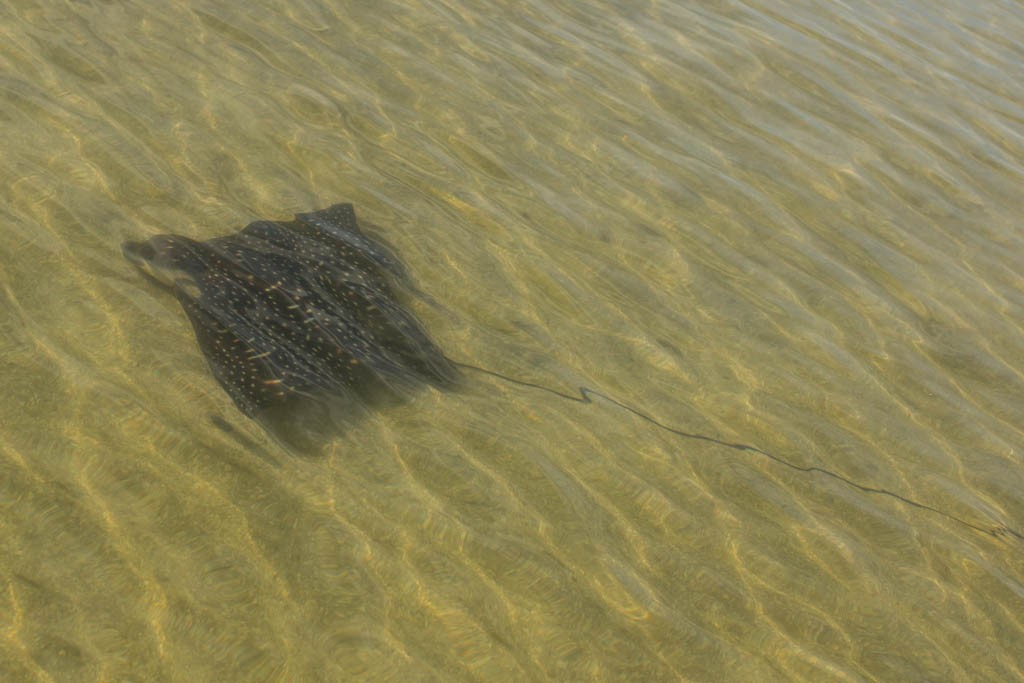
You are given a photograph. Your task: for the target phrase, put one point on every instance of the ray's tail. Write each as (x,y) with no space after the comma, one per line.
(586,395)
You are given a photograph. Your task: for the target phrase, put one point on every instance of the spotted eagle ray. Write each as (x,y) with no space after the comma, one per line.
(289,309)
(299,308)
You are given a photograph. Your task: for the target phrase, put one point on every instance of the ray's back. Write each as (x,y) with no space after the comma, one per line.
(299,308)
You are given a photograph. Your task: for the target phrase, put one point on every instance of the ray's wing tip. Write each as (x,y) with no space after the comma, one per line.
(342,214)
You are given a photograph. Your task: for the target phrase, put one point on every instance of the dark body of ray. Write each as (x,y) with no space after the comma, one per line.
(298,308)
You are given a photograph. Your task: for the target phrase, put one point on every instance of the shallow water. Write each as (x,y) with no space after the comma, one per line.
(794,226)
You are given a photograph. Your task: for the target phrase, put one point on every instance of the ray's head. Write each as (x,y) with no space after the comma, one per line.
(169,259)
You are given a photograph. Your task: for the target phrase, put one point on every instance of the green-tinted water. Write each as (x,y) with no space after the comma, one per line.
(793,225)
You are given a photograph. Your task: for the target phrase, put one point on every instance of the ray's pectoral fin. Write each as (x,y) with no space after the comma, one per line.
(337,226)
(250,377)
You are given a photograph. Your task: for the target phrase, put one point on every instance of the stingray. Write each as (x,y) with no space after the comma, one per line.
(303,308)
(284,310)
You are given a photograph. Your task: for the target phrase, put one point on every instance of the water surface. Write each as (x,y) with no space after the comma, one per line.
(794,226)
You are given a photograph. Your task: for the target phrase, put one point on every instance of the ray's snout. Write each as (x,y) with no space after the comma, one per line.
(142,255)
(138,252)
(168,259)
